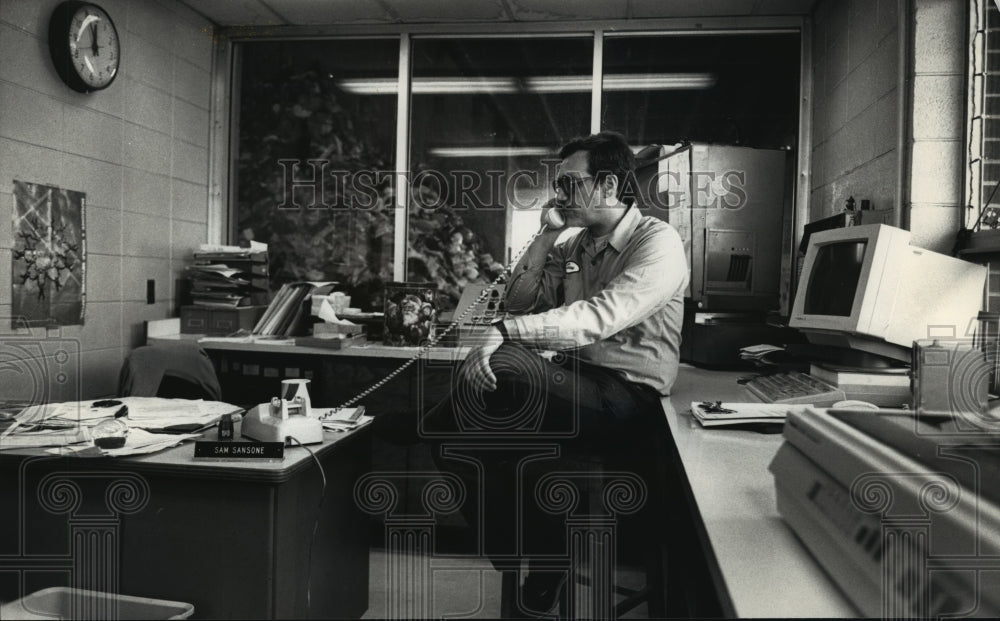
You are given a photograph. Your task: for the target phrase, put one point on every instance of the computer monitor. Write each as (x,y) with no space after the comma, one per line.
(867,289)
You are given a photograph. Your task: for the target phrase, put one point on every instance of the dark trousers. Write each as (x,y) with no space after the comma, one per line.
(548,420)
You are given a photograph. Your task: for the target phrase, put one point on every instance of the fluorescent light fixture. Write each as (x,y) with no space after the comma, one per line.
(540,84)
(489,151)
(658,81)
(369,86)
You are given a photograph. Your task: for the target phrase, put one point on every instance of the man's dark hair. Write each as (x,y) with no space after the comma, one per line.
(608,154)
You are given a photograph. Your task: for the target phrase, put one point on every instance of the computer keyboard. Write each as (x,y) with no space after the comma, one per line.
(795,387)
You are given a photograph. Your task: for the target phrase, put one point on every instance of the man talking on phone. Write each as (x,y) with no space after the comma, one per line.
(608,299)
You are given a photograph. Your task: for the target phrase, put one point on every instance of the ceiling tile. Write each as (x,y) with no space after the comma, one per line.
(784,7)
(235,12)
(539,10)
(321,12)
(448,10)
(690,8)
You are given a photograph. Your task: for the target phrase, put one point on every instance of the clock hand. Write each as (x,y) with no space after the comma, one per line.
(94,47)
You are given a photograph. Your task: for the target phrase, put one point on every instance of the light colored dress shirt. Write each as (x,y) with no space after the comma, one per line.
(619,304)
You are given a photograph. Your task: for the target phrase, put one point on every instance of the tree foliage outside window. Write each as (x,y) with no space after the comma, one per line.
(345,232)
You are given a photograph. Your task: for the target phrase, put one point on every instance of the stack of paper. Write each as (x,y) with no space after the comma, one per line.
(758,352)
(253,247)
(229,280)
(343,419)
(715,413)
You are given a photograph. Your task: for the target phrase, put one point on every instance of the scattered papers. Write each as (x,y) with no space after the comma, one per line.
(66,426)
(143,412)
(157,413)
(137,442)
(714,413)
(47,437)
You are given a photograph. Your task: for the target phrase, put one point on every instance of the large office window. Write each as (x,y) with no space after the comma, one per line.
(315,155)
(319,133)
(734,90)
(488,115)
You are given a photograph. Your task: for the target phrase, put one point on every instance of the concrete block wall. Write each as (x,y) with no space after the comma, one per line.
(937,173)
(856,111)
(855,68)
(139,150)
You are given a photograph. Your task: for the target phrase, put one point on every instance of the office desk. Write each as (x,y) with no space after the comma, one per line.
(760,568)
(235,539)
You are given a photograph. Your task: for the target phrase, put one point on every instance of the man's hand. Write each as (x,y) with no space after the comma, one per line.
(476,370)
(545,218)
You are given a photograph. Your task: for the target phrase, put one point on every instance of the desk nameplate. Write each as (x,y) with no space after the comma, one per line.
(204,449)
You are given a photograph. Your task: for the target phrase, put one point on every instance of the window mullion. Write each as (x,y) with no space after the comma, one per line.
(402,160)
(598,73)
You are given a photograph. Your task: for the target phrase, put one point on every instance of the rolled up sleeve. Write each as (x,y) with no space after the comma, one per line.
(536,287)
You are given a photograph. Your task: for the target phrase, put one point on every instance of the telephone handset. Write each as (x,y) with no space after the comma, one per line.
(553,220)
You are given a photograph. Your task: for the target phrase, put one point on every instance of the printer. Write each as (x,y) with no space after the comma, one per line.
(902,510)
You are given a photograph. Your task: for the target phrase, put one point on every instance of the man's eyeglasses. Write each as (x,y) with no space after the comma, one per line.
(567,184)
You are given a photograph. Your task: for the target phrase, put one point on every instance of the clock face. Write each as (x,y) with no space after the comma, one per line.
(84,44)
(93,46)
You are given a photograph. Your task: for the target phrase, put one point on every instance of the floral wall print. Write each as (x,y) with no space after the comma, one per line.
(49,255)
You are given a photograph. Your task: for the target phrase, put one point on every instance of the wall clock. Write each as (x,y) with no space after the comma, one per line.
(84,45)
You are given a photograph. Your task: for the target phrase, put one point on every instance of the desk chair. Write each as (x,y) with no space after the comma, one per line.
(179,371)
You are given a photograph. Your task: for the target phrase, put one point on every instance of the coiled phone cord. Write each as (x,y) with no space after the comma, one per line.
(433,341)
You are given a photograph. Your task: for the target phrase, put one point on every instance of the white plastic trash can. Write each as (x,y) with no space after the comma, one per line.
(67,603)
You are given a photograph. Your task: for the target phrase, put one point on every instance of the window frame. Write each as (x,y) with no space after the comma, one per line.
(223,142)
(974,111)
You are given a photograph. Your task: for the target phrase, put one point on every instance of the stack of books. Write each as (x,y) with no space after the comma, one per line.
(288,313)
(228,279)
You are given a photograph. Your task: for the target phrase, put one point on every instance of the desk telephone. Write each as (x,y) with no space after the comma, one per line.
(487,309)
(483,305)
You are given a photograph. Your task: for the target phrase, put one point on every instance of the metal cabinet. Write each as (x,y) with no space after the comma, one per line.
(732,207)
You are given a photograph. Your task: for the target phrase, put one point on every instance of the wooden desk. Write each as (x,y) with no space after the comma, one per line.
(235,539)
(760,568)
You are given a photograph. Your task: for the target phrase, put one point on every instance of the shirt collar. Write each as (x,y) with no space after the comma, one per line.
(624,229)
(619,236)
